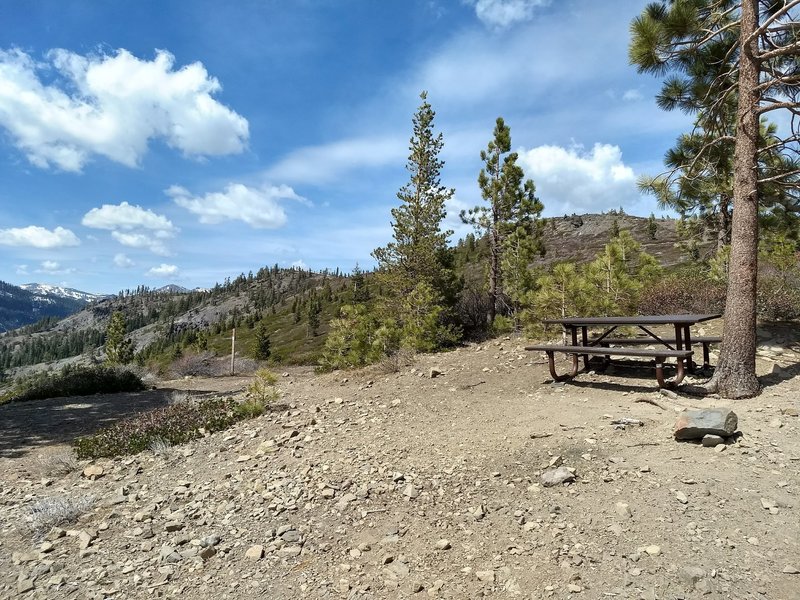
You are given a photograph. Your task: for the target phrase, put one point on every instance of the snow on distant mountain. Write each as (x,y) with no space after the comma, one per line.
(43,289)
(172,289)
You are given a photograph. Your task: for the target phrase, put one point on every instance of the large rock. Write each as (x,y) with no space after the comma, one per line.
(694,424)
(557,476)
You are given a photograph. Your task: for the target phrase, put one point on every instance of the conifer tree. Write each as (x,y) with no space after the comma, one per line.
(510,218)
(263,344)
(417,253)
(119,350)
(724,57)
(414,267)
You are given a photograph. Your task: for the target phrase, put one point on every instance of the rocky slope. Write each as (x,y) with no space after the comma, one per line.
(400,485)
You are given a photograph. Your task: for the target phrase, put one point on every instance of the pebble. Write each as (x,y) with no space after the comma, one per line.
(485,576)
(557,476)
(623,509)
(710,440)
(254,553)
(93,472)
(791,570)
(443,545)
(682,498)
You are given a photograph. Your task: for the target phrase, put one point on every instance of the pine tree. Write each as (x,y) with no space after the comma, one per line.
(510,218)
(722,57)
(359,285)
(652,227)
(263,344)
(417,252)
(119,350)
(416,265)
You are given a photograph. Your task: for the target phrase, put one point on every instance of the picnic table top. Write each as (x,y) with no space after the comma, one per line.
(634,320)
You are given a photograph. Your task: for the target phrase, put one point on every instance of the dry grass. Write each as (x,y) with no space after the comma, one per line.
(57,464)
(160,447)
(396,362)
(56,510)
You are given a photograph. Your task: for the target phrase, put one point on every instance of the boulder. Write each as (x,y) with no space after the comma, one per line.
(695,424)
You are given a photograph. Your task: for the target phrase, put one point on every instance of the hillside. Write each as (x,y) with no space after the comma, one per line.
(162,321)
(399,485)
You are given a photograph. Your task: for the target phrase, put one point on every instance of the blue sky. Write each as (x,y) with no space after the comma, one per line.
(155,142)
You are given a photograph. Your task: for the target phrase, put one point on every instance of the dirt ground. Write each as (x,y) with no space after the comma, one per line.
(398,485)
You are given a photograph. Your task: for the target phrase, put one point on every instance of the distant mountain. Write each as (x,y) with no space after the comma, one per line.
(45,291)
(172,289)
(23,305)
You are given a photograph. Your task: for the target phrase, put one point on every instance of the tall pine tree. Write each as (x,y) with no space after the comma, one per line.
(413,268)
(510,219)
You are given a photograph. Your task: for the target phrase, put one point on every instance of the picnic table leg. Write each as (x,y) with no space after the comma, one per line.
(679,375)
(687,345)
(680,343)
(551,363)
(706,357)
(585,342)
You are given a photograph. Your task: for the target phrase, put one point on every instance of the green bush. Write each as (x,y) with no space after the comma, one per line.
(173,425)
(76,381)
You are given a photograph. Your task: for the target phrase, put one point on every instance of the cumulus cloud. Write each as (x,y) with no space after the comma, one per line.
(132,226)
(164,271)
(299,264)
(38,237)
(327,162)
(112,106)
(258,207)
(574,180)
(502,13)
(122,261)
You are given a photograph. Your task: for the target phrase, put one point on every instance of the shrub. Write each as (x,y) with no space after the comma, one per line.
(173,424)
(200,364)
(683,293)
(56,510)
(777,301)
(77,381)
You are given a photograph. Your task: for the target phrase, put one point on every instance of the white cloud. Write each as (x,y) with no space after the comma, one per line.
(299,264)
(112,106)
(140,240)
(258,207)
(51,267)
(22,269)
(502,13)
(327,162)
(573,180)
(164,271)
(127,217)
(122,261)
(38,237)
(132,226)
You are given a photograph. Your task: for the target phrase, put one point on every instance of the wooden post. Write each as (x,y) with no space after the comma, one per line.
(233,350)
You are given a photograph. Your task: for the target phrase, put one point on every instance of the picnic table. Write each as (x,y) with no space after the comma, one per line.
(678,346)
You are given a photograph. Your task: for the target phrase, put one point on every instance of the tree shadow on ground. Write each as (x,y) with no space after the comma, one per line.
(28,426)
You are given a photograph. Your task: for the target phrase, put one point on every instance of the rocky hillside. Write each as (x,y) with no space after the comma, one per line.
(403,485)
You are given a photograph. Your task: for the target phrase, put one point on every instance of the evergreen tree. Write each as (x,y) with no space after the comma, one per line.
(359,285)
(722,57)
(652,227)
(419,256)
(510,218)
(262,342)
(119,350)
(417,252)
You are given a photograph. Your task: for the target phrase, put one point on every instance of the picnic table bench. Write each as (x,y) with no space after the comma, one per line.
(678,347)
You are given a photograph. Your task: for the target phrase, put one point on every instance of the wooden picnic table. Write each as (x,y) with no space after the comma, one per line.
(679,346)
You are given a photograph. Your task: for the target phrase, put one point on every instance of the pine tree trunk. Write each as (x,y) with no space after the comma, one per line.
(493,276)
(735,376)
